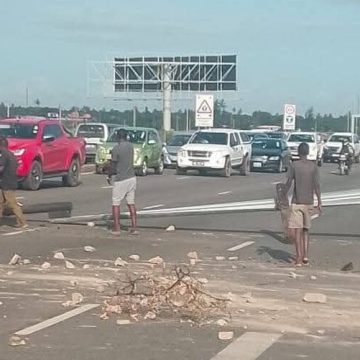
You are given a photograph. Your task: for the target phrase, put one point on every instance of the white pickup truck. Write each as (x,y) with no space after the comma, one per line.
(334,145)
(215,149)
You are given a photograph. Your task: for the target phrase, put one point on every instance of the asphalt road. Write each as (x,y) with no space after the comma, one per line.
(29,296)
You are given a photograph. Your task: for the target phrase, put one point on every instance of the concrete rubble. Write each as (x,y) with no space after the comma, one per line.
(15,259)
(46,265)
(134,257)
(69,265)
(170,228)
(59,256)
(225,335)
(315,298)
(16,341)
(193,255)
(89,248)
(120,262)
(156,260)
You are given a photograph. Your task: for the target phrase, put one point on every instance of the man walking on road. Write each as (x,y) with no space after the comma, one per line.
(123,173)
(304,174)
(8,166)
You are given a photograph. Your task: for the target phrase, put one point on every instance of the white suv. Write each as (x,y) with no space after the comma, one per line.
(215,149)
(334,145)
(312,139)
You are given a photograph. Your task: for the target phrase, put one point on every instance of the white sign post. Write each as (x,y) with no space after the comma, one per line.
(289,117)
(204,111)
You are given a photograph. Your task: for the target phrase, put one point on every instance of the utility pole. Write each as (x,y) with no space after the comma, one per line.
(27,96)
(187,119)
(134,116)
(8,110)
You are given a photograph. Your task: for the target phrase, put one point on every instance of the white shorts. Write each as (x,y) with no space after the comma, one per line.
(124,189)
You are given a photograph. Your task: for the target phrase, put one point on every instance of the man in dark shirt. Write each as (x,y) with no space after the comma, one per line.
(8,166)
(304,174)
(123,173)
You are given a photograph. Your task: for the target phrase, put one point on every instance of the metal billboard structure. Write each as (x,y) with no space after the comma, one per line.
(200,74)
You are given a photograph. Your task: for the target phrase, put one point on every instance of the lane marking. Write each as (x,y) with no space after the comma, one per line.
(55,320)
(107,187)
(20,231)
(153,207)
(224,193)
(183,178)
(88,173)
(240,246)
(248,346)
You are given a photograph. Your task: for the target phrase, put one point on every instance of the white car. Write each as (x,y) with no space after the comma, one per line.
(312,139)
(334,145)
(215,149)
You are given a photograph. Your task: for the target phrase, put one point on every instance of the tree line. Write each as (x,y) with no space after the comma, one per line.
(185,118)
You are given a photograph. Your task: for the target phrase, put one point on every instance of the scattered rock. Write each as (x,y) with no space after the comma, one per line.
(249,298)
(315,298)
(46,265)
(73,282)
(348,267)
(203,281)
(245,327)
(9,273)
(221,322)
(91,224)
(77,298)
(170,228)
(1,302)
(120,262)
(321,332)
(150,315)
(86,266)
(123,322)
(313,277)
(293,275)
(193,255)
(220,258)
(100,288)
(156,260)
(26,262)
(59,256)
(15,259)
(69,265)
(192,262)
(233,258)
(225,335)
(16,341)
(234,267)
(134,257)
(89,248)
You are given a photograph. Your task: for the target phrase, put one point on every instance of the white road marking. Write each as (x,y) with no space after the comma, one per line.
(224,193)
(88,173)
(20,231)
(107,187)
(248,346)
(153,207)
(183,178)
(240,246)
(55,320)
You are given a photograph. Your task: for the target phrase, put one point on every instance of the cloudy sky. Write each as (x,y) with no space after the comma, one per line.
(305,52)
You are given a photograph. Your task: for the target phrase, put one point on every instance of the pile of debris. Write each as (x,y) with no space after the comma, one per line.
(146,296)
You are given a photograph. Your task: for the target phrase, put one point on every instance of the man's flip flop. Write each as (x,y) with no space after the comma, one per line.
(115,233)
(133,232)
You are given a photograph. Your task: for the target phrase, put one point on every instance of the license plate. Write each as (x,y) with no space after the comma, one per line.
(198,163)
(257,164)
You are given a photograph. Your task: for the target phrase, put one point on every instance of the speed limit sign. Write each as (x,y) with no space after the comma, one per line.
(289,117)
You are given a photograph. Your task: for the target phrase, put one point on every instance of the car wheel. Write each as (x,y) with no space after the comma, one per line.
(144,168)
(34,178)
(280,168)
(245,167)
(72,178)
(226,172)
(159,170)
(180,171)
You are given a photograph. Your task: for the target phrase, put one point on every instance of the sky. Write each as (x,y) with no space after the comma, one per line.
(303,52)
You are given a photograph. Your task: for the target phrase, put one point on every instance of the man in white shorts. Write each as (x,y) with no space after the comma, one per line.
(123,174)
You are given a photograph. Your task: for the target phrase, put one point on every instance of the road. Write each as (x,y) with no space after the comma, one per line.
(30,295)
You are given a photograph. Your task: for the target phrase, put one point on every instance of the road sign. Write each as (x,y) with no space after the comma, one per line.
(289,117)
(204,111)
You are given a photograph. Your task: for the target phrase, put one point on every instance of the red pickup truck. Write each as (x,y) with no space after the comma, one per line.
(43,150)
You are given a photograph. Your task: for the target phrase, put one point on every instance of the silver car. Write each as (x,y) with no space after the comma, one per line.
(171,149)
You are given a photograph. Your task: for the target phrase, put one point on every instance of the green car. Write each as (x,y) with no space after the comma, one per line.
(147,150)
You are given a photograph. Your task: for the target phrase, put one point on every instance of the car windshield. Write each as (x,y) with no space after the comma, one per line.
(214,138)
(266,144)
(308,138)
(19,131)
(179,140)
(91,131)
(135,136)
(340,138)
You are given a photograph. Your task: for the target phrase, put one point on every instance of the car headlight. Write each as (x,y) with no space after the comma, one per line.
(18,152)
(182,153)
(274,157)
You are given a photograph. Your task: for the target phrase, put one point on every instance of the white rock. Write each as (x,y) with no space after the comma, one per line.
(46,265)
(156,260)
(69,265)
(313,277)
(192,262)
(59,256)
(123,322)
(321,332)
(76,298)
(220,258)
(193,255)
(203,281)
(170,228)
(100,288)
(91,224)
(26,262)
(221,322)
(9,273)
(234,267)
(1,302)
(15,259)
(16,341)
(120,262)
(134,257)
(225,335)
(150,315)
(315,298)
(233,258)
(73,282)
(293,275)
(89,248)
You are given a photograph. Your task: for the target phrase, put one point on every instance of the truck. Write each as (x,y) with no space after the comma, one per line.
(43,150)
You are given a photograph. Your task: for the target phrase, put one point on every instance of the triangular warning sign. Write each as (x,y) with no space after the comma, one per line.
(204,108)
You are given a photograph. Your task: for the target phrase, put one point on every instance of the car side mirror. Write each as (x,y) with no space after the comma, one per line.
(152,142)
(48,138)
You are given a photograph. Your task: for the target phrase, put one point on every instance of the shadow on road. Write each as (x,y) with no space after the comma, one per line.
(276,254)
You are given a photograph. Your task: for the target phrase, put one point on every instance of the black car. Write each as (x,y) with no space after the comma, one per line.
(270,154)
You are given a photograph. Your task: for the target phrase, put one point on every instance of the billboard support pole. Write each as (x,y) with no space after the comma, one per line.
(167,98)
